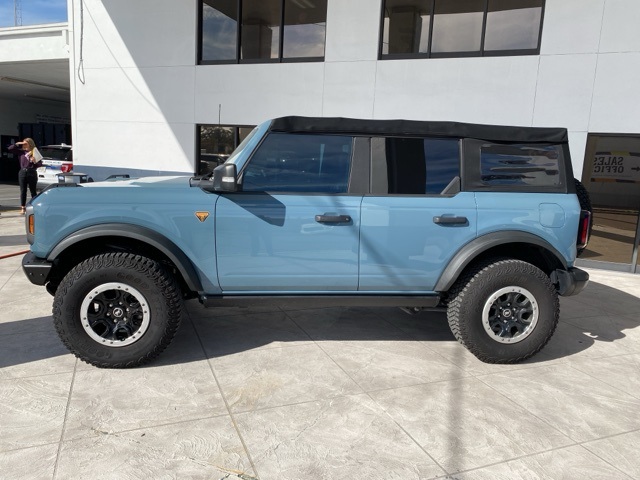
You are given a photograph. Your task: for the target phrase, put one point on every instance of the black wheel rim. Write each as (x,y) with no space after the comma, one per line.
(115,314)
(510,314)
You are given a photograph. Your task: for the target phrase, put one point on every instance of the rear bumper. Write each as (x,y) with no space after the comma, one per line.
(570,282)
(36,269)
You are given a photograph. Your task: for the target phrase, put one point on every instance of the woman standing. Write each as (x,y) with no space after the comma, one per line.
(30,160)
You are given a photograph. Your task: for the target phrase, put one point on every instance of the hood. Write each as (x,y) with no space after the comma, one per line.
(143,182)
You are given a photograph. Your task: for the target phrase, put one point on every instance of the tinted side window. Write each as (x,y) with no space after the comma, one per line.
(414,165)
(520,165)
(300,163)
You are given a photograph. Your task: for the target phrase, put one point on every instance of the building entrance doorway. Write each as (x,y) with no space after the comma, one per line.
(611,175)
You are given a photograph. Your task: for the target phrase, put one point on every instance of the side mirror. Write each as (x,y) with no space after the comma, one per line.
(224,178)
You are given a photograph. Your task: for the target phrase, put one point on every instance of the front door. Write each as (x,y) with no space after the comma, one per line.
(294,228)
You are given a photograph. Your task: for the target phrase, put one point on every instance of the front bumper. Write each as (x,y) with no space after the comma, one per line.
(36,269)
(570,282)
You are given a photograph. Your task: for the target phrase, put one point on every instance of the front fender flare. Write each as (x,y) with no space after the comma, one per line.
(136,232)
(471,250)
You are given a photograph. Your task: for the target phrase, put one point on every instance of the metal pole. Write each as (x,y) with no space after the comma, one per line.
(17,13)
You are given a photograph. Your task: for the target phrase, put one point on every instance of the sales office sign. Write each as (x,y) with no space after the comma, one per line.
(612,166)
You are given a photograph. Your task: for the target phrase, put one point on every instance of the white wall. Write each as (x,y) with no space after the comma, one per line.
(134,99)
(142,85)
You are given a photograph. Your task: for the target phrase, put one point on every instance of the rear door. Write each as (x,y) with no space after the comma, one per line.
(415,218)
(295,226)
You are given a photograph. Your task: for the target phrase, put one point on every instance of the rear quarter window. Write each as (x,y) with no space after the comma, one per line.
(519,165)
(514,167)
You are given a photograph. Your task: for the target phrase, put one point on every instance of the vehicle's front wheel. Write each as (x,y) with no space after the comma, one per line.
(503,311)
(117,310)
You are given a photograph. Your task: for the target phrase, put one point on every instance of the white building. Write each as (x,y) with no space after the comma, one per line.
(148,78)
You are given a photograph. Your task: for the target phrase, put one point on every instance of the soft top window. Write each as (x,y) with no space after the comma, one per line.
(520,165)
(511,167)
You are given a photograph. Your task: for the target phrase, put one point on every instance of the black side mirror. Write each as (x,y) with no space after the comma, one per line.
(224,178)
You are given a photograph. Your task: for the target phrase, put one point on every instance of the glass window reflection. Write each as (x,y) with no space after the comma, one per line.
(457,26)
(406,26)
(448,28)
(513,26)
(234,31)
(219,30)
(260,29)
(300,163)
(415,166)
(217,142)
(443,162)
(305,25)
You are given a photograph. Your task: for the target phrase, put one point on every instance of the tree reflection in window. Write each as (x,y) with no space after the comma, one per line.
(216,143)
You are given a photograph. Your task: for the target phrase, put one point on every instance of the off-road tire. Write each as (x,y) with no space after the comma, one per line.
(475,289)
(148,279)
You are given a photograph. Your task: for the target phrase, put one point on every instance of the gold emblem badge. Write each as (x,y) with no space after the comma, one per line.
(202,216)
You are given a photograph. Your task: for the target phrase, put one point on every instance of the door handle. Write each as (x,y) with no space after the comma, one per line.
(333,219)
(443,220)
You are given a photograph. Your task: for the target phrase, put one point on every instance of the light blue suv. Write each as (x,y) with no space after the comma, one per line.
(481,221)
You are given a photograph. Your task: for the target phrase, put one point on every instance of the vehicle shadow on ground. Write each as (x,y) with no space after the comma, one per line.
(212,333)
(30,340)
(584,322)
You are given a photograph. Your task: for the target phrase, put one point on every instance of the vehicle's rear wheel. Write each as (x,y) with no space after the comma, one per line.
(117,310)
(503,311)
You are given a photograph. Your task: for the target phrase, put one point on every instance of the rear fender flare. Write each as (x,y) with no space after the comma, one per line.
(476,247)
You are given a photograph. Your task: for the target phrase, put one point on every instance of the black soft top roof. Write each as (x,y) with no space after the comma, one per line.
(352,126)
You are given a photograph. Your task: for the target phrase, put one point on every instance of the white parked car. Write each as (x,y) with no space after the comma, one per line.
(56,159)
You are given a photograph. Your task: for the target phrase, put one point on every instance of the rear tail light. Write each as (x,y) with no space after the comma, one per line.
(66,168)
(584,227)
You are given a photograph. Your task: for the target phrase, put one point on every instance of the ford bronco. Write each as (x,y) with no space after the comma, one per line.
(480,221)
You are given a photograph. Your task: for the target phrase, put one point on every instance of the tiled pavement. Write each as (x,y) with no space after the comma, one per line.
(338,393)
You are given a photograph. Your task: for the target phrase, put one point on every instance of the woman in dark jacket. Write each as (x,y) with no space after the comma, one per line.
(30,160)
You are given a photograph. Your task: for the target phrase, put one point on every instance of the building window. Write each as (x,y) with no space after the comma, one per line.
(216,143)
(268,31)
(442,28)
